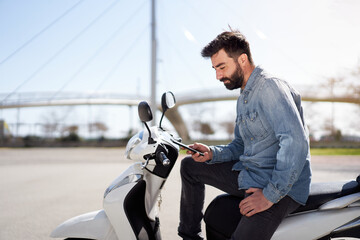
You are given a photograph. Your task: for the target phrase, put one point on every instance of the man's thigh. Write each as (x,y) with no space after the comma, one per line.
(218,175)
(262,226)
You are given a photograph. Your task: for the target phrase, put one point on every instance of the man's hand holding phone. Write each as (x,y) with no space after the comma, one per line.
(202,148)
(199,152)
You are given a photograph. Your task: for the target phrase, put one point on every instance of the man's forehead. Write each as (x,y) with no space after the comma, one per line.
(219,58)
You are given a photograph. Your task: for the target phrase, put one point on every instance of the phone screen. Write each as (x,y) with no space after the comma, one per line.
(187,147)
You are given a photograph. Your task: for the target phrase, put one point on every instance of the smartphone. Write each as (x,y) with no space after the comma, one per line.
(187,147)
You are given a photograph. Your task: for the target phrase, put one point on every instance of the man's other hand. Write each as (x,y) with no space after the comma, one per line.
(254,203)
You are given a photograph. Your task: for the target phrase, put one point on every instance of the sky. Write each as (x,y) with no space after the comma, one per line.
(93,46)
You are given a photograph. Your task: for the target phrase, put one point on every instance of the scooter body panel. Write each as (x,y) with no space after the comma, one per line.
(314,225)
(153,189)
(93,225)
(131,174)
(114,208)
(115,201)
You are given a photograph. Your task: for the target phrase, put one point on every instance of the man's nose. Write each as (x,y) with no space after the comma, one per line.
(219,75)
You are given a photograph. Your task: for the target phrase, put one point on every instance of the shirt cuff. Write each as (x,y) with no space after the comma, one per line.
(272,194)
(214,155)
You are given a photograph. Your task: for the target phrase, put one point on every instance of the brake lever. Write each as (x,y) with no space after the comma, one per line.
(144,165)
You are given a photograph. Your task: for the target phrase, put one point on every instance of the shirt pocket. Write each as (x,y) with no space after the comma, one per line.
(255,125)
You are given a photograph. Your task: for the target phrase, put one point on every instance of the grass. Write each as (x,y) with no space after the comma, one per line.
(326,151)
(335,151)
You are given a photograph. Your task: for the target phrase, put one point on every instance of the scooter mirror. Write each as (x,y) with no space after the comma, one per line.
(145,113)
(167,101)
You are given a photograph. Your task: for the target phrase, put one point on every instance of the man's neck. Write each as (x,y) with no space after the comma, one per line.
(247,73)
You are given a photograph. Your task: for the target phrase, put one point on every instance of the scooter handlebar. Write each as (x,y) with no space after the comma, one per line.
(164,160)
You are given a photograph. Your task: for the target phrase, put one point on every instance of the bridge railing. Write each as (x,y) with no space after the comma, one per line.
(308,93)
(43,97)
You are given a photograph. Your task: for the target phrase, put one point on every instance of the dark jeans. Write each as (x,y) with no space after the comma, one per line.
(195,175)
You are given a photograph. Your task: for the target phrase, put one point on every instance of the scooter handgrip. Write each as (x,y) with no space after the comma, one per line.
(165,161)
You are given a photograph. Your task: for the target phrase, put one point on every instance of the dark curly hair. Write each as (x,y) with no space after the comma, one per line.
(233,42)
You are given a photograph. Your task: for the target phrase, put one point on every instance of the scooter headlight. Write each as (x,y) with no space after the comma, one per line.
(133,142)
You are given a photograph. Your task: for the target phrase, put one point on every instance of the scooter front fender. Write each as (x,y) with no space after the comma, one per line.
(93,225)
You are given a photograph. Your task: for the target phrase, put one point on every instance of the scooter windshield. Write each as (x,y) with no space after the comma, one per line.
(133,142)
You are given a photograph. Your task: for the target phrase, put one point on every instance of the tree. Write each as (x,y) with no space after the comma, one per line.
(354,90)
(51,125)
(49,129)
(229,128)
(98,127)
(331,84)
(333,134)
(354,86)
(203,128)
(71,133)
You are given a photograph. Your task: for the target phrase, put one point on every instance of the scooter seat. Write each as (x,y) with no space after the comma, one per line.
(222,215)
(321,193)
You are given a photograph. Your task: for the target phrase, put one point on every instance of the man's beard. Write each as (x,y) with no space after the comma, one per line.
(236,80)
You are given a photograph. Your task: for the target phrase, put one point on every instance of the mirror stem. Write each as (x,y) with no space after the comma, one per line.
(150,140)
(162,116)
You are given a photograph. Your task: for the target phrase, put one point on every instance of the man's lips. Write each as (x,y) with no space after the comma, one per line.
(225,81)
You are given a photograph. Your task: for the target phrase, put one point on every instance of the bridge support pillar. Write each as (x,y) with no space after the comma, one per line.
(176,120)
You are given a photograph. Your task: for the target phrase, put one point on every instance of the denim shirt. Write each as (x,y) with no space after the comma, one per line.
(271,140)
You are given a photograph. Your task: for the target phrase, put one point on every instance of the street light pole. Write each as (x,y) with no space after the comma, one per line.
(153,63)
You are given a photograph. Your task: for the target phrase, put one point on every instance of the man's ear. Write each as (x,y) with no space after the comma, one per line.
(242,59)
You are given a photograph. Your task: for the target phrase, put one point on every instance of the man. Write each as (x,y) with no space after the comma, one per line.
(268,162)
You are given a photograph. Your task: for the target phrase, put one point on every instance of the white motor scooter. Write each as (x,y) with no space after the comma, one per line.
(130,202)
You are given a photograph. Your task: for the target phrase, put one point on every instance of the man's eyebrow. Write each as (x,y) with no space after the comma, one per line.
(214,67)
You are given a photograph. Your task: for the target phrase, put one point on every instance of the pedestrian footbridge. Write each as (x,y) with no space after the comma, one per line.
(26,100)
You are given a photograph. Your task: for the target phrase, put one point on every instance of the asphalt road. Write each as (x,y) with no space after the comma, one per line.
(40,188)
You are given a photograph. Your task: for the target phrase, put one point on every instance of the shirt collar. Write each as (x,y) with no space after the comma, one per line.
(252,79)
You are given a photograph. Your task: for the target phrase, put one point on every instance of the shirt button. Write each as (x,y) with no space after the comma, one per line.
(251,139)
(245,101)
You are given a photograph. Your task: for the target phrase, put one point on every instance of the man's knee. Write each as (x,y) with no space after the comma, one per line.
(186,165)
